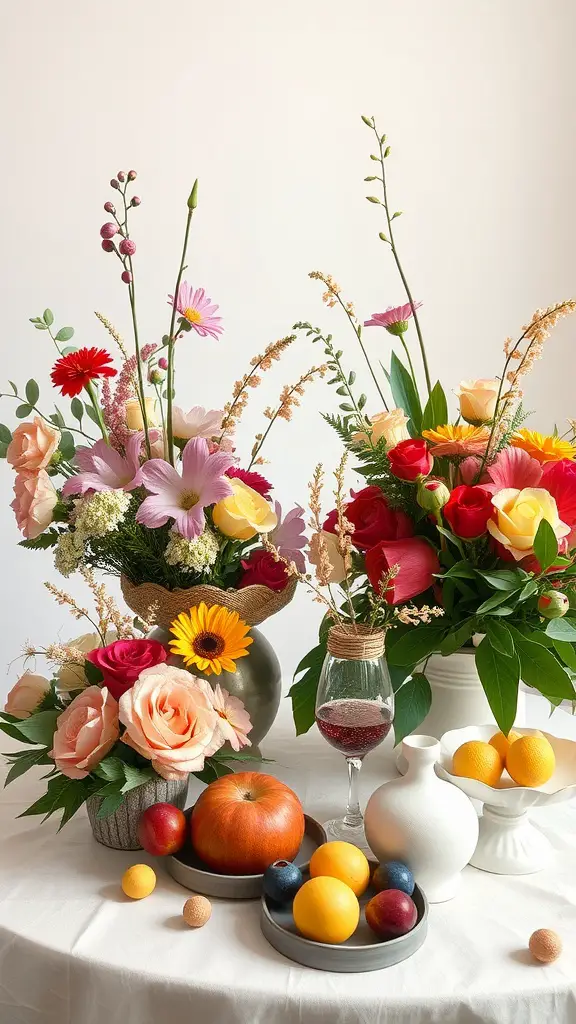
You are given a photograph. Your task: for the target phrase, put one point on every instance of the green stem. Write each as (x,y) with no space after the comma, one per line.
(161,407)
(89,388)
(132,296)
(171,342)
(407,351)
(358,332)
(21,399)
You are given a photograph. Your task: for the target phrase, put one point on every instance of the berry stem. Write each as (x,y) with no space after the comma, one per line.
(132,297)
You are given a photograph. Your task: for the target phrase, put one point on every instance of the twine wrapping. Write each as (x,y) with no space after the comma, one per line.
(355,643)
(254,604)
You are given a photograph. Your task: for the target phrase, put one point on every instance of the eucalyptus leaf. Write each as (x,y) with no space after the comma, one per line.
(48,317)
(32,392)
(24,410)
(65,333)
(5,434)
(77,409)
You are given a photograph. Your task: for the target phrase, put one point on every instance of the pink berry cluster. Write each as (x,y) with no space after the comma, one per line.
(125,248)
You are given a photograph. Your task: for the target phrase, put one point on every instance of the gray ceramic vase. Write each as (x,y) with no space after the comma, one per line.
(119,830)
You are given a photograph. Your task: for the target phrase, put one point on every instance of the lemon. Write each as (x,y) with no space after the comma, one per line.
(326,910)
(530,761)
(501,742)
(478,760)
(138,881)
(343,861)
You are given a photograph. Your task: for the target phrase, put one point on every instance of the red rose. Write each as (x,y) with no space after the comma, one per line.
(373,519)
(122,662)
(261,567)
(468,510)
(418,563)
(559,478)
(410,459)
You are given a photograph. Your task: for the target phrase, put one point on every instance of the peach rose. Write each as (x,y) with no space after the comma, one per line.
(170,719)
(85,732)
(244,514)
(133,413)
(478,400)
(26,695)
(34,502)
(389,425)
(32,445)
(337,571)
(518,516)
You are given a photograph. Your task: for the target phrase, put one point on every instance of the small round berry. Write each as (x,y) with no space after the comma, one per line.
(126,276)
(108,230)
(109,207)
(127,247)
(114,183)
(131,175)
(121,176)
(163,363)
(135,201)
(107,245)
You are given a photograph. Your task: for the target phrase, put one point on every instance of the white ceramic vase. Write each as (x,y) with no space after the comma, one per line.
(423,822)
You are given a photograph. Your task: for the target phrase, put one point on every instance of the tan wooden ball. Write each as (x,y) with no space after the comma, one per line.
(196,911)
(545,945)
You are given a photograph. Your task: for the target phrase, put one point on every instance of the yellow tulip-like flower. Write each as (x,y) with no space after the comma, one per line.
(518,516)
(133,414)
(478,400)
(543,447)
(244,514)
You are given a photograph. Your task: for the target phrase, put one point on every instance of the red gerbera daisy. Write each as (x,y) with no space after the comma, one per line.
(73,372)
(254,480)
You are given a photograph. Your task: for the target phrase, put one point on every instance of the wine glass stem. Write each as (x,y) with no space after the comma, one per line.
(353,816)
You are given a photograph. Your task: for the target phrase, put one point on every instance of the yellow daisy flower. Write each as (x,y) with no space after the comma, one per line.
(460,440)
(543,447)
(210,638)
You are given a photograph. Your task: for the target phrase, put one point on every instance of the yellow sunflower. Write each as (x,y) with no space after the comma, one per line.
(460,440)
(543,447)
(210,638)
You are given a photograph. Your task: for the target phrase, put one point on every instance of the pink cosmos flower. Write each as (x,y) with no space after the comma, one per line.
(395,319)
(184,498)
(104,469)
(234,721)
(197,309)
(289,537)
(199,422)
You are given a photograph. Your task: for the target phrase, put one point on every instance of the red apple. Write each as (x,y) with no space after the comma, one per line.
(243,823)
(162,829)
(391,913)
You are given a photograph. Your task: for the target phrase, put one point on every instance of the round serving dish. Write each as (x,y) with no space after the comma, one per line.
(187,868)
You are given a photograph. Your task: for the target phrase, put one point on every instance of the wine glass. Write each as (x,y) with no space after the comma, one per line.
(354,711)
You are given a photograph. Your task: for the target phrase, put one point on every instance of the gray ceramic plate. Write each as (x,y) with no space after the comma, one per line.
(359,953)
(189,870)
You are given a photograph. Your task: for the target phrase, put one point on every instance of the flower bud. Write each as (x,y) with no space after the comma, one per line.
(109,207)
(432,494)
(126,276)
(108,230)
(127,247)
(553,605)
(114,183)
(193,197)
(107,245)
(135,201)
(121,176)
(131,175)
(155,376)
(163,363)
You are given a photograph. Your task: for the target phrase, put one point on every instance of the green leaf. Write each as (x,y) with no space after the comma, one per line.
(111,769)
(492,602)
(3,449)
(213,770)
(412,704)
(26,760)
(24,410)
(457,638)
(111,801)
(48,317)
(566,652)
(69,348)
(77,409)
(42,541)
(462,569)
(13,731)
(415,645)
(545,545)
(58,418)
(41,326)
(436,409)
(67,446)
(502,579)
(40,728)
(52,799)
(93,674)
(405,394)
(135,777)
(528,590)
(91,414)
(303,692)
(561,629)
(65,333)
(500,676)
(452,538)
(5,434)
(500,637)
(541,669)
(32,392)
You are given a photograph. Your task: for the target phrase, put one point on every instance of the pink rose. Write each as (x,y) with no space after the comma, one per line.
(170,719)
(32,445)
(34,502)
(85,732)
(26,695)
(124,660)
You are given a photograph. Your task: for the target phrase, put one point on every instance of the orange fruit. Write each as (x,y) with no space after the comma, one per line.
(326,910)
(343,861)
(478,760)
(502,742)
(531,761)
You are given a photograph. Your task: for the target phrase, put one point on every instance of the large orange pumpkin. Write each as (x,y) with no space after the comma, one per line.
(242,823)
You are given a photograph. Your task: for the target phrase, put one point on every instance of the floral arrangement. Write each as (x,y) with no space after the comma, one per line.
(465,529)
(116,715)
(160,496)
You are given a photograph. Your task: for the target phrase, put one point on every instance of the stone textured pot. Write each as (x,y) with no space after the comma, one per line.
(119,830)
(417,820)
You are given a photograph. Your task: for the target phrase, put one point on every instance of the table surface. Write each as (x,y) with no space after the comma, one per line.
(74,950)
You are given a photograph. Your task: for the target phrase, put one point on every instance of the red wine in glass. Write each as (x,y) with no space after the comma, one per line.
(354,726)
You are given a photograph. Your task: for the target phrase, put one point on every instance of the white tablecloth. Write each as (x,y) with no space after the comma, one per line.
(74,950)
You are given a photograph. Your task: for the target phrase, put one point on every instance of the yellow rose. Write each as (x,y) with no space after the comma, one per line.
(337,571)
(389,425)
(244,514)
(133,413)
(518,516)
(478,400)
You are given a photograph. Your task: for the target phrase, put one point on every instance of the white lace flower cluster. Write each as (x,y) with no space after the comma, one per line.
(94,516)
(196,555)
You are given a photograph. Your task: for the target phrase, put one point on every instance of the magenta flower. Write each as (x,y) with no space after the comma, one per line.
(395,319)
(254,480)
(289,537)
(512,467)
(184,498)
(104,469)
(197,309)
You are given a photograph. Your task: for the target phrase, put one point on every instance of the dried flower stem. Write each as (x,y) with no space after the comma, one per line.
(344,531)
(288,399)
(234,409)
(113,332)
(292,571)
